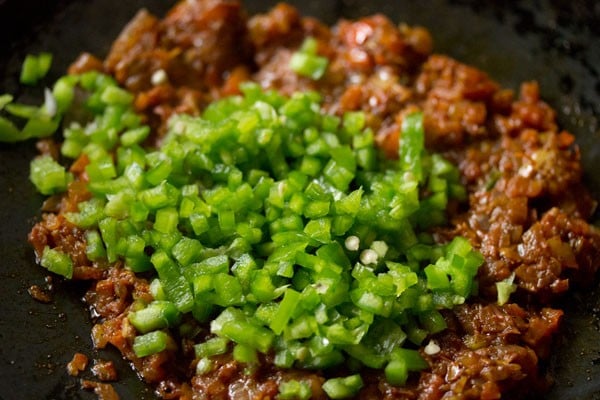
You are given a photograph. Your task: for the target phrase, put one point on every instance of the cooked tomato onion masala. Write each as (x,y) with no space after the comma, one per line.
(267,207)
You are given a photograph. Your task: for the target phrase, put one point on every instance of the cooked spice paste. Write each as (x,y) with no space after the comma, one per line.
(525,209)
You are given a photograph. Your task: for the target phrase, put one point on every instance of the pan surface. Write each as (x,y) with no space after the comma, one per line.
(556,42)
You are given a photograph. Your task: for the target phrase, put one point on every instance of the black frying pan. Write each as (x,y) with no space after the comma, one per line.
(556,42)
